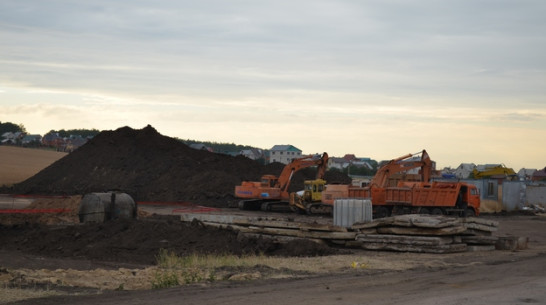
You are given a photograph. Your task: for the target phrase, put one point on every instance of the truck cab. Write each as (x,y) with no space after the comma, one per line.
(471,196)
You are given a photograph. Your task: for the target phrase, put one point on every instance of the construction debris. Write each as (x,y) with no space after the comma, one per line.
(272,227)
(425,233)
(406,233)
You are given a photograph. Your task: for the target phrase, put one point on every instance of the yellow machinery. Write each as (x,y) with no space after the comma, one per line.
(493,171)
(309,201)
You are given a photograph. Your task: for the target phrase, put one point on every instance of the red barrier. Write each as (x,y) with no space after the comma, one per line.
(196,209)
(34,211)
(39,196)
(164,203)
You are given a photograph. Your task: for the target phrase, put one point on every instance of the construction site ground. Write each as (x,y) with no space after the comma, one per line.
(48,257)
(115,263)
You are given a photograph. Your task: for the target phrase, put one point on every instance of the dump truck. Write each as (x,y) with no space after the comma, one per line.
(410,196)
(437,198)
(271,193)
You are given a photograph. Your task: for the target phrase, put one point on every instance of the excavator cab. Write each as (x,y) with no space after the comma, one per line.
(269,181)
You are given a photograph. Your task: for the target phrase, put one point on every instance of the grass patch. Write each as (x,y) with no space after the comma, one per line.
(169,260)
(174,270)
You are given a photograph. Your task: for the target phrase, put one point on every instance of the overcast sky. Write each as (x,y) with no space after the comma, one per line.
(463,79)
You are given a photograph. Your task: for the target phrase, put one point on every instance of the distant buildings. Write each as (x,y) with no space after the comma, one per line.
(284,153)
(52,139)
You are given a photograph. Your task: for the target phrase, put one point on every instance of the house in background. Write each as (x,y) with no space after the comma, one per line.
(349,160)
(525,174)
(11,137)
(74,142)
(253,154)
(31,139)
(52,139)
(464,170)
(339,163)
(201,146)
(284,153)
(539,175)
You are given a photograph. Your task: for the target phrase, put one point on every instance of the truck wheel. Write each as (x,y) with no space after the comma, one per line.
(382,212)
(437,211)
(470,213)
(424,211)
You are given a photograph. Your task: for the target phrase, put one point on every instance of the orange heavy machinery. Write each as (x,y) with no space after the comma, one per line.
(382,178)
(411,196)
(272,191)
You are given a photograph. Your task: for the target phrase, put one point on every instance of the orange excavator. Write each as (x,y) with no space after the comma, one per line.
(271,192)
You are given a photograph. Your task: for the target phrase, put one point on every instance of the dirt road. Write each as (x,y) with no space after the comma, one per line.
(518,281)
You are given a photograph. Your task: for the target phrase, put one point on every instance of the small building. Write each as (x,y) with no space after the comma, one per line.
(338,163)
(74,142)
(53,139)
(525,174)
(253,154)
(201,146)
(284,153)
(11,137)
(539,175)
(464,170)
(349,160)
(31,139)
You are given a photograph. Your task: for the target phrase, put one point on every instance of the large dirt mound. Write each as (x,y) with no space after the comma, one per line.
(139,241)
(153,167)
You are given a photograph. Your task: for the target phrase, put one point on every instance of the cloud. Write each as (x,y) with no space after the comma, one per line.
(373,74)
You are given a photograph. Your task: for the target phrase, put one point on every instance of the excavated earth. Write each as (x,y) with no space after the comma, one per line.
(153,168)
(37,248)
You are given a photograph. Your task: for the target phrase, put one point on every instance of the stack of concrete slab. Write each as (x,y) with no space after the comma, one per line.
(406,233)
(277,228)
(426,233)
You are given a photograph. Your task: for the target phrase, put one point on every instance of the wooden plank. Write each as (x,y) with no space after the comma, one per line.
(450,248)
(405,239)
(421,231)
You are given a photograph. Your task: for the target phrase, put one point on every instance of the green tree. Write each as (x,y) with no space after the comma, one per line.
(11,127)
(76,132)
(219,147)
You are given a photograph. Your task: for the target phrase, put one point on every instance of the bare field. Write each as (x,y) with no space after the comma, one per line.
(18,164)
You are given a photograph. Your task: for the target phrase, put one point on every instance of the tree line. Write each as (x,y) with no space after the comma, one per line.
(84,133)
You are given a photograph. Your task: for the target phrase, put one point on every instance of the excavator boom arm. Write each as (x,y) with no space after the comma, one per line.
(298,164)
(399,165)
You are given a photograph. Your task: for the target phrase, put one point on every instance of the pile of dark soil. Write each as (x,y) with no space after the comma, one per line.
(152,167)
(139,241)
